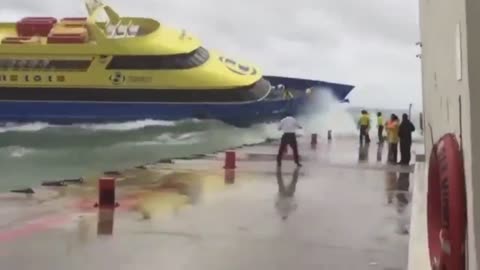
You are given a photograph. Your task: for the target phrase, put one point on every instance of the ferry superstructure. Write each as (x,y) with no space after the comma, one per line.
(110,68)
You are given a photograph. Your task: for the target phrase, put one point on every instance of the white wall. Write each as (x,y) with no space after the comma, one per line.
(442,88)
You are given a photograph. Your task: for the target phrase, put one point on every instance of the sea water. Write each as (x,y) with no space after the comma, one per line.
(35,152)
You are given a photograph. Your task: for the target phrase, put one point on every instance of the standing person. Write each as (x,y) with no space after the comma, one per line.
(405,133)
(364,125)
(380,127)
(392,137)
(288,125)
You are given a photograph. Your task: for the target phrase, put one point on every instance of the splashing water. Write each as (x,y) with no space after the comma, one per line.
(30,153)
(329,114)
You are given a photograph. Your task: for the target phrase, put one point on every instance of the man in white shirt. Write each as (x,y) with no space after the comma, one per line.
(288,125)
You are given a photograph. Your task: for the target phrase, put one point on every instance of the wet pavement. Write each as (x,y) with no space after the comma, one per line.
(344,209)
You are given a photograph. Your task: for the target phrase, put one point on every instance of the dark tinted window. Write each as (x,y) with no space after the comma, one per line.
(69,65)
(258,90)
(239,94)
(40,64)
(149,62)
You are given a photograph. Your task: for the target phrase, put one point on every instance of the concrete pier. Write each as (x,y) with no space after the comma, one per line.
(344,209)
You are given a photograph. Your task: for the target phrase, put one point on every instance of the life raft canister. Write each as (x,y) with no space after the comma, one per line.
(446,206)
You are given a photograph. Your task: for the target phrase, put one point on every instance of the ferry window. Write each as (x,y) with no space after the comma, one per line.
(20,63)
(149,62)
(238,94)
(69,64)
(259,90)
(39,64)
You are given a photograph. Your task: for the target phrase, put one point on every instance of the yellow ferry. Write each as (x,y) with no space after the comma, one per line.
(105,67)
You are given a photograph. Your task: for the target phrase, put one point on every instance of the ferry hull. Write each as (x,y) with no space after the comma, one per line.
(88,112)
(238,114)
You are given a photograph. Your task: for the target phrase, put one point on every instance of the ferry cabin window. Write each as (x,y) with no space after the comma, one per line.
(152,62)
(43,64)
(238,94)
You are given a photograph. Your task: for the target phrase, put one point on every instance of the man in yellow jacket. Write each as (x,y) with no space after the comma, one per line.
(380,127)
(392,126)
(364,125)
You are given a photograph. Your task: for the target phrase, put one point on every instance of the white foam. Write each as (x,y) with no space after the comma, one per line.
(30,127)
(125,126)
(186,138)
(17,151)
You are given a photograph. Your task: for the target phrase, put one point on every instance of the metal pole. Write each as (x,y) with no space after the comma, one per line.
(421,122)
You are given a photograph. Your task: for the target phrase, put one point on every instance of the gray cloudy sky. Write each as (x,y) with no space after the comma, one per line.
(370,44)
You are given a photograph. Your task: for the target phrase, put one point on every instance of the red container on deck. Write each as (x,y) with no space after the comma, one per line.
(38,19)
(31,26)
(73,21)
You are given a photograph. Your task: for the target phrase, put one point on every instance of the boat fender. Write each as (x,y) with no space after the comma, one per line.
(53,183)
(446,205)
(24,190)
(112,173)
(74,181)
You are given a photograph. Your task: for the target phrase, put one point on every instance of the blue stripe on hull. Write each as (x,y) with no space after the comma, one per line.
(73,112)
(239,114)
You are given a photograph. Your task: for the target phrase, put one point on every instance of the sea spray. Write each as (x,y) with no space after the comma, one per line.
(328,113)
(30,153)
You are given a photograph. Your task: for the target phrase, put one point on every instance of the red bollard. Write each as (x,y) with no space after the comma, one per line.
(229,177)
(313,141)
(106,193)
(230,160)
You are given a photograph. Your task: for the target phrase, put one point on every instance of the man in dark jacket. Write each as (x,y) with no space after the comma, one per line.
(405,133)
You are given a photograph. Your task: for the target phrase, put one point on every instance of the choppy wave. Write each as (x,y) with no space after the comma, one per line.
(16,151)
(171,139)
(30,153)
(33,152)
(121,126)
(29,127)
(125,126)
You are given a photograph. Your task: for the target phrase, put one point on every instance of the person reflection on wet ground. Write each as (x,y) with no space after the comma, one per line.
(390,185)
(402,194)
(403,184)
(380,151)
(285,203)
(363,152)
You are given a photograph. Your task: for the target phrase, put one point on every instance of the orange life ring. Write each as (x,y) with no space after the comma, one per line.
(446,205)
